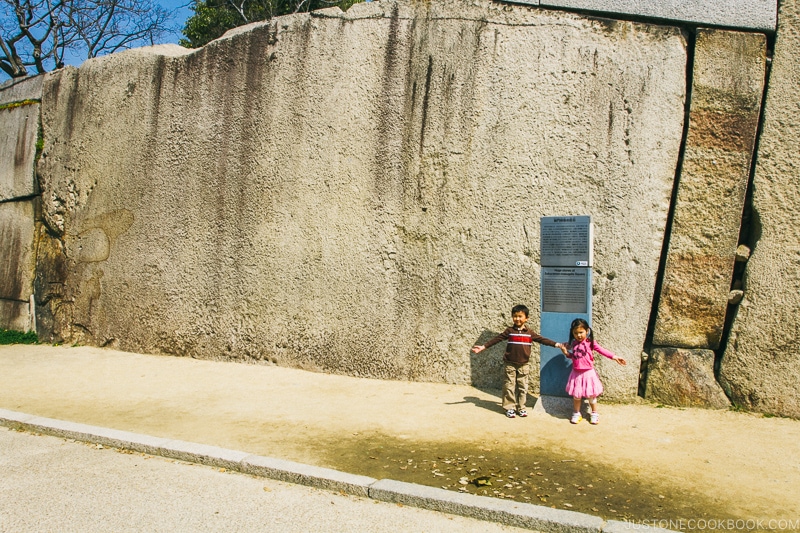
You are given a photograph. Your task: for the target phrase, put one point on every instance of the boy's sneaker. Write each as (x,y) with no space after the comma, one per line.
(510,413)
(576,417)
(522,412)
(595,419)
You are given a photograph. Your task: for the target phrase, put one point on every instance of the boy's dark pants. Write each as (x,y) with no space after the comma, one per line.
(515,385)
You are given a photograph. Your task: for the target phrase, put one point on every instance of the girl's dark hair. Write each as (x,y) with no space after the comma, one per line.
(585,325)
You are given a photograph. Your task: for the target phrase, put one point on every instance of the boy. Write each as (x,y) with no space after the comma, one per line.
(517,360)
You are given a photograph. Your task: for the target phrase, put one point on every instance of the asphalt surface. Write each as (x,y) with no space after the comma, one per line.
(60,485)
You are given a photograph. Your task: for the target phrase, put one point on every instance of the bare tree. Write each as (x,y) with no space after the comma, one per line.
(40,34)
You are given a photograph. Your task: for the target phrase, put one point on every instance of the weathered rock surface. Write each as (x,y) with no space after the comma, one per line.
(15,315)
(17,263)
(16,241)
(759,367)
(684,378)
(20,90)
(360,192)
(727,88)
(19,128)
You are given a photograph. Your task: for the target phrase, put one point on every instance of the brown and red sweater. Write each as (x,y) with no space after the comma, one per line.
(518,349)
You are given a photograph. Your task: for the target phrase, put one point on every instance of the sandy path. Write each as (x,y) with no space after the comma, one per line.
(742,465)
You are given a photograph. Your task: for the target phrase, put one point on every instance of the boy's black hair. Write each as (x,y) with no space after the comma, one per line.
(585,325)
(520,308)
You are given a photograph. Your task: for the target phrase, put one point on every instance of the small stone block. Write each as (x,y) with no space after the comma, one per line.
(684,378)
(735,297)
(742,253)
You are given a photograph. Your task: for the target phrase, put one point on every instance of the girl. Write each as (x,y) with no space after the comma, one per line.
(583,381)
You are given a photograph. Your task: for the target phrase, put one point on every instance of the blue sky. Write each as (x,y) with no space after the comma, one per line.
(182,12)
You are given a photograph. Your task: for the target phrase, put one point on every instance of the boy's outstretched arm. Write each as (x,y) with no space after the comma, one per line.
(478,348)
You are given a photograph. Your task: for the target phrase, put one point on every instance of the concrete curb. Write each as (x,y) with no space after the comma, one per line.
(507,512)
(485,508)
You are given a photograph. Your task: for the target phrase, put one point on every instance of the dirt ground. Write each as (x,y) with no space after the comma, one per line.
(645,463)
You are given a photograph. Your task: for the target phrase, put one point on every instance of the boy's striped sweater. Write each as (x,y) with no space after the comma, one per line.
(518,349)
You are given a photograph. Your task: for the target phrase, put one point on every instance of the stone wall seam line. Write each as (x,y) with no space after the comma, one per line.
(690,45)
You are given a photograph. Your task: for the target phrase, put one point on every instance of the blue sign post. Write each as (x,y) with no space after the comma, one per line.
(566,292)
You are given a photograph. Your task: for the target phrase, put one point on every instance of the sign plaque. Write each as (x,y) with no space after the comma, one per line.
(567,241)
(565,290)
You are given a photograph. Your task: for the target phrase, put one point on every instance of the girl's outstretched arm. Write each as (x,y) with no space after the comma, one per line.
(608,353)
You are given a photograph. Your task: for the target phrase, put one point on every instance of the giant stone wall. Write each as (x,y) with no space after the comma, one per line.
(19,134)
(759,369)
(358,192)
(727,87)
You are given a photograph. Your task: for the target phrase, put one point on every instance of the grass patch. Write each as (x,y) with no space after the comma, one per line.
(17,337)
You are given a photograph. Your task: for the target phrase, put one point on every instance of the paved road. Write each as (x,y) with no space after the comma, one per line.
(55,485)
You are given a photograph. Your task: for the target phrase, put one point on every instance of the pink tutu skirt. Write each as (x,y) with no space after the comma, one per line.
(584,384)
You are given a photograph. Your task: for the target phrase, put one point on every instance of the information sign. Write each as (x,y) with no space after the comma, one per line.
(567,241)
(565,290)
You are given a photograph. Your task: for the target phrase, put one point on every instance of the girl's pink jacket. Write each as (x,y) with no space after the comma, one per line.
(581,354)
